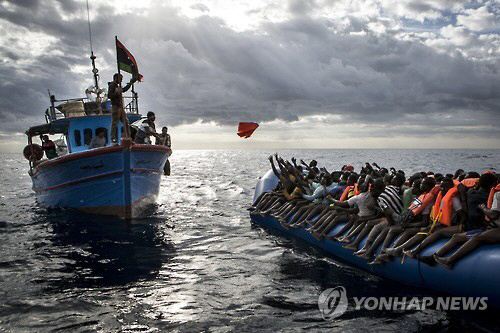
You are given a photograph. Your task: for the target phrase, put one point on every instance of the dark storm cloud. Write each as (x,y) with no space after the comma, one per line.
(200,69)
(30,4)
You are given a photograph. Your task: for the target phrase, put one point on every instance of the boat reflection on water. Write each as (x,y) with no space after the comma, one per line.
(95,251)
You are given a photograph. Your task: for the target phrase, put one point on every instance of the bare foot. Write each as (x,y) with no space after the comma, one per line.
(410,253)
(360,252)
(442,261)
(351,246)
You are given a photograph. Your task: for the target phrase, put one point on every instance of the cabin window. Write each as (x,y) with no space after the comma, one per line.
(105,132)
(87,136)
(78,138)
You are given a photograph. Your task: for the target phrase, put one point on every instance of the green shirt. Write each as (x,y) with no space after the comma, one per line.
(408,198)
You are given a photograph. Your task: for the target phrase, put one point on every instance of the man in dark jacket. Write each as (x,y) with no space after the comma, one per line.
(115,95)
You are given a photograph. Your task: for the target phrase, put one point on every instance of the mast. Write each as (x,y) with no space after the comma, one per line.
(95,71)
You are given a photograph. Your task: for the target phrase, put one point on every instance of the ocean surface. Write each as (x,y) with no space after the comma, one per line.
(195,263)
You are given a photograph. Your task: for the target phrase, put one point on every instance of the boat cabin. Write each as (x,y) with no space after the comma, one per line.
(79,121)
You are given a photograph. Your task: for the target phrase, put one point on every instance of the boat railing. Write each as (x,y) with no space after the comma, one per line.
(79,107)
(132,105)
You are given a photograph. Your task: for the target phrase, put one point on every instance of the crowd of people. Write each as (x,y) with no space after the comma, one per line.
(396,214)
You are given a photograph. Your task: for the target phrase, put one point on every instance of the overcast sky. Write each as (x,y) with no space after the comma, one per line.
(313,74)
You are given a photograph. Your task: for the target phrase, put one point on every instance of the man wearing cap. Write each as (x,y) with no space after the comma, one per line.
(115,91)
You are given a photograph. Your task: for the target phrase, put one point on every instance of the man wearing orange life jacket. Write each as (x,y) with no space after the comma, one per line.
(447,216)
(470,181)
(490,236)
(475,225)
(445,209)
(408,225)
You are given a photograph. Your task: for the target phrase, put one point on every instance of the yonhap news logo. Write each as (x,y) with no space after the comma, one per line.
(333,303)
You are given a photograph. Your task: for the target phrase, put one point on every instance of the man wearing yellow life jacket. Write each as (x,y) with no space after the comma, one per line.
(447,218)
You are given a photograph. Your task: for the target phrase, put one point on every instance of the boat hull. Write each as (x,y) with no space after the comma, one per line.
(119,180)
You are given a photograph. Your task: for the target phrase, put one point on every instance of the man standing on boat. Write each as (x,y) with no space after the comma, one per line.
(115,91)
(165,140)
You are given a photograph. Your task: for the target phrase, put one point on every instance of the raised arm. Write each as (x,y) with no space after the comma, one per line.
(273,167)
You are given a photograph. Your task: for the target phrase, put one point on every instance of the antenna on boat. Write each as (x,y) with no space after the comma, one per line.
(95,89)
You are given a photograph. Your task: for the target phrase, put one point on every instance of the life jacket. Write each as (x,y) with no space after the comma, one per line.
(489,203)
(456,182)
(443,207)
(343,197)
(423,201)
(470,182)
(492,194)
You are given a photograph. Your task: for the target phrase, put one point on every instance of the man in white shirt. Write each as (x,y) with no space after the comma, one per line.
(99,140)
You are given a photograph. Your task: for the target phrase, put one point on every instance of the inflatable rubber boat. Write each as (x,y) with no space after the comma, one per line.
(474,275)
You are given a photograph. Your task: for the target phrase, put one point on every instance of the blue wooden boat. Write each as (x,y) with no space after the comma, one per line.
(120,180)
(475,275)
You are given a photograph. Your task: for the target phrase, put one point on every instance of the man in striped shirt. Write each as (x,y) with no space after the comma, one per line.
(389,202)
(392,196)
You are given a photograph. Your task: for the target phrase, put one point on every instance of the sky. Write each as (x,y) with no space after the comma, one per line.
(314,74)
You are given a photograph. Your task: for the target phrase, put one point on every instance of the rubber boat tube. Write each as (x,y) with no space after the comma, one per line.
(474,275)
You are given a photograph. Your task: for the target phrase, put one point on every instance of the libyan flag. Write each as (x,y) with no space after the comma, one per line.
(126,61)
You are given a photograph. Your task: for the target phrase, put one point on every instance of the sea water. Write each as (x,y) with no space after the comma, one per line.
(195,262)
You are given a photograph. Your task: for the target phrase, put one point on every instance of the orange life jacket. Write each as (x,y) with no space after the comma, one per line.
(470,182)
(423,201)
(343,197)
(456,182)
(492,194)
(489,203)
(443,207)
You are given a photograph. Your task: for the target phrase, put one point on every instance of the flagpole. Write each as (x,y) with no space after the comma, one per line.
(126,130)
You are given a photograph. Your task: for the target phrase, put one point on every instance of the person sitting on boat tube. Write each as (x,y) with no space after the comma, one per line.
(48,147)
(447,216)
(115,91)
(476,224)
(390,202)
(415,219)
(394,227)
(293,185)
(146,129)
(366,202)
(99,140)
